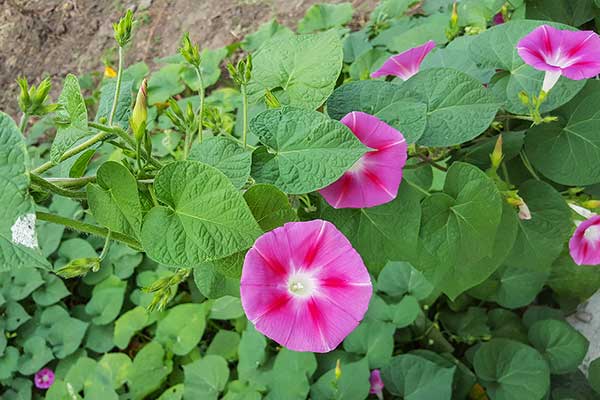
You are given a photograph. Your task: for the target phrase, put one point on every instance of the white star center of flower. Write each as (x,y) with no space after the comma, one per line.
(592,234)
(301,284)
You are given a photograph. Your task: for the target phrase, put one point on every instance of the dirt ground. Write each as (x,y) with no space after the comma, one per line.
(55,37)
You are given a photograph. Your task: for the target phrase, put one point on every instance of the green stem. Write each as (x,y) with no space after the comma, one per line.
(72,182)
(70,153)
(201,108)
(127,138)
(528,165)
(117,88)
(245,115)
(187,145)
(88,228)
(23,122)
(44,184)
(106,246)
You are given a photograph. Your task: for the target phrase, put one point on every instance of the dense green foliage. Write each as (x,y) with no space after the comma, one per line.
(469,300)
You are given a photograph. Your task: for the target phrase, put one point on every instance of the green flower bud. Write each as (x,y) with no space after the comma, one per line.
(24,99)
(524,97)
(189,51)
(32,99)
(123,29)
(79,267)
(270,100)
(140,112)
(497,156)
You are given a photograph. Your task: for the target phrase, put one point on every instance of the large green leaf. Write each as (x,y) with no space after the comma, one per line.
(114,200)
(372,338)
(305,150)
(165,83)
(148,371)
(205,217)
(325,16)
(540,240)
(568,151)
(400,278)
(34,356)
(512,286)
(453,56)
(225,155)
(205,378)
(578,282)
(459,108)
(465,276)
(301,70)
(409,33)
(270,206)
(107,299)
(213,284)
(72,117)
(107,96)
(386,232)
(18,240)
(510,370)
(568,12)
(128,324)
(563,347)
(416,378)
(497,48)
(594,375)
(384,100)
(290,376)
(63,333)
(459,228)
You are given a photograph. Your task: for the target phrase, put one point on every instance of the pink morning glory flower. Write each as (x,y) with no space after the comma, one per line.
(44,378)
(572,54)
(374,179)
(376,384)
(584,246)
(304,286)
(405,65)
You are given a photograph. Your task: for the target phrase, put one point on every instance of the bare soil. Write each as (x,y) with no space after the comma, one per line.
(54,37)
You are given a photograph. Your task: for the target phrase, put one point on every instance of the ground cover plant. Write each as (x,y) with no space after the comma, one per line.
(406,210)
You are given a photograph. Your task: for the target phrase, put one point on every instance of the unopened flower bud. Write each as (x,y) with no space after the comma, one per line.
(497,156)
(270,100)
(454,16)
(591,204)
(123,29)
(79,267)
(189,51)
(338,370)
(524,213)
(32,100)
(524,97)
(543,96)
(140,112)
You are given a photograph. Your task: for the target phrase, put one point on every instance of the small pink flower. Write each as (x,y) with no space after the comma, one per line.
(374,179)
(405,65)
(376,384)
(304,286)
(584,246)
(44,378)
(572,54)
(498,19)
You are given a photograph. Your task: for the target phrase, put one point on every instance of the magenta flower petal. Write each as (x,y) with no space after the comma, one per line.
(304,286)
(573,54)
(376,383)
(44,378)
(498,19)
(405,65)
(584,246)
(375,178)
